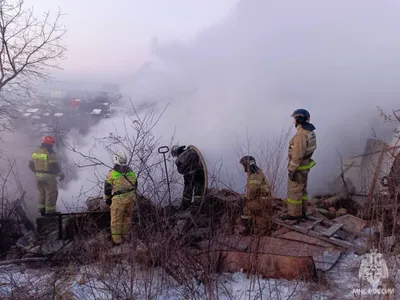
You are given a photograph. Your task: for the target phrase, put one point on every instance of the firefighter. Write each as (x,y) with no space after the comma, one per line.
(301,149)
(120,194)
(46,167)
(190,165)
(258,191)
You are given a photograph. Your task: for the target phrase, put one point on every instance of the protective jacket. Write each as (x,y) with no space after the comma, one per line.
(120,182)
(188,162)
(257,186)
(120,185)
(44,163)
(301,149)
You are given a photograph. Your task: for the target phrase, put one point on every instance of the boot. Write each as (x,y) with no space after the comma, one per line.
(304,216)
(52,214)
(290,218)
(247,224)
(114,244)
(42,212)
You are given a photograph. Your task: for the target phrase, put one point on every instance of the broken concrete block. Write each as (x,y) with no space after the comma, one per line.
(323,212)
(28,241)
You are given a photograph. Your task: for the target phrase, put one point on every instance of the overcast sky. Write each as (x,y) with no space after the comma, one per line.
(105,36)
(248,66)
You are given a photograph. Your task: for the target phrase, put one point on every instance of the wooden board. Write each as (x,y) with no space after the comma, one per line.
(351,223)
(320,228)
(301,237)
(203,163)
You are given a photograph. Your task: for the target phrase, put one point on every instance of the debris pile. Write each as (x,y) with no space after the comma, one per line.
(205,237)
(333,206)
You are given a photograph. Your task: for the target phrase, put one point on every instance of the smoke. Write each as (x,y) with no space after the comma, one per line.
(16,177)
(247,74)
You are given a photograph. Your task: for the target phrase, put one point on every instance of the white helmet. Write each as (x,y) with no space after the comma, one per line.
(120,158)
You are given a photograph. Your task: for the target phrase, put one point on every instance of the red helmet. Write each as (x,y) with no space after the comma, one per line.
(48,139)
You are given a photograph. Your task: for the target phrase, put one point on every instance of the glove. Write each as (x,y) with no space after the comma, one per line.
(108,202)
(61,176)
(292,176)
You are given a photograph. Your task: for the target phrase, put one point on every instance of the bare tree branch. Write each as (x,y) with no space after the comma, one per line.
(30,48)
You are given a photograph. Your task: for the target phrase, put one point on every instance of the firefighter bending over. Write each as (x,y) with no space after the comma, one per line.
(190,165)
(301,149)
(46,167)
(255,212)
(120,194)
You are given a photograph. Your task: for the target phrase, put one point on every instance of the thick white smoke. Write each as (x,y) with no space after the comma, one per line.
(247,75)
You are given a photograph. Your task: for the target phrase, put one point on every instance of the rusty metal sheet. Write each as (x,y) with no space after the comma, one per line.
(269,265)
(323,257)
(351,223)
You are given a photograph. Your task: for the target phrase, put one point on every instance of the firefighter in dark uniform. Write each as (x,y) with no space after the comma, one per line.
(189,164)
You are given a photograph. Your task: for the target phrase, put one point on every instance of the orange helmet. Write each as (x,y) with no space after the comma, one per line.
(49,140)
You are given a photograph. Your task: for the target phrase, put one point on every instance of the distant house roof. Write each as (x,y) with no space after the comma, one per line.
(32,110)
(96,111)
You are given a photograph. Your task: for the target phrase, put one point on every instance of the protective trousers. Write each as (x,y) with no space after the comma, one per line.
(48,193)
(194,184)
(121,217)
(297,194)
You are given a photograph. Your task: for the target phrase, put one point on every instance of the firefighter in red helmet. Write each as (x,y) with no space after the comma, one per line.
(46,167)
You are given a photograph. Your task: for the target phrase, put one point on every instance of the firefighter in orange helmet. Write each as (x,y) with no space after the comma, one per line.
(258,192)
(46,167)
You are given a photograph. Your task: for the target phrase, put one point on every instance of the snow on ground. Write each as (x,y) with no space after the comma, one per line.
(97,282)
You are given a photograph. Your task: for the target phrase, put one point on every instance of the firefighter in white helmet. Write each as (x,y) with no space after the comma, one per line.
(120,194)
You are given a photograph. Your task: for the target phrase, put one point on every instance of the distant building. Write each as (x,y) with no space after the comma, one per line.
(61,89)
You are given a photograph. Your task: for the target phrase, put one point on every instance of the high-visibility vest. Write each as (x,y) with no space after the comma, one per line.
(41,159)
(121,181)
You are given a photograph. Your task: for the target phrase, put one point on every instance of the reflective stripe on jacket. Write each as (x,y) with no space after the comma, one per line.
(301,149)
(44,163)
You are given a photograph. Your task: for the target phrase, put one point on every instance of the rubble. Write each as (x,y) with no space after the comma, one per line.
(333,206)
(205,237)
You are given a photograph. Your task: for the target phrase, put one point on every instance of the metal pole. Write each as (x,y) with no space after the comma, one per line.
(163,150)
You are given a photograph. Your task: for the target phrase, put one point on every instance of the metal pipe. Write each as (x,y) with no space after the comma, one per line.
(163,150)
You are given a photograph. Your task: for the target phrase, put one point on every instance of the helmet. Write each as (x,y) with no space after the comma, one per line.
(177,150)
(48,140)
(301,116)
(120,158)
(247,161)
